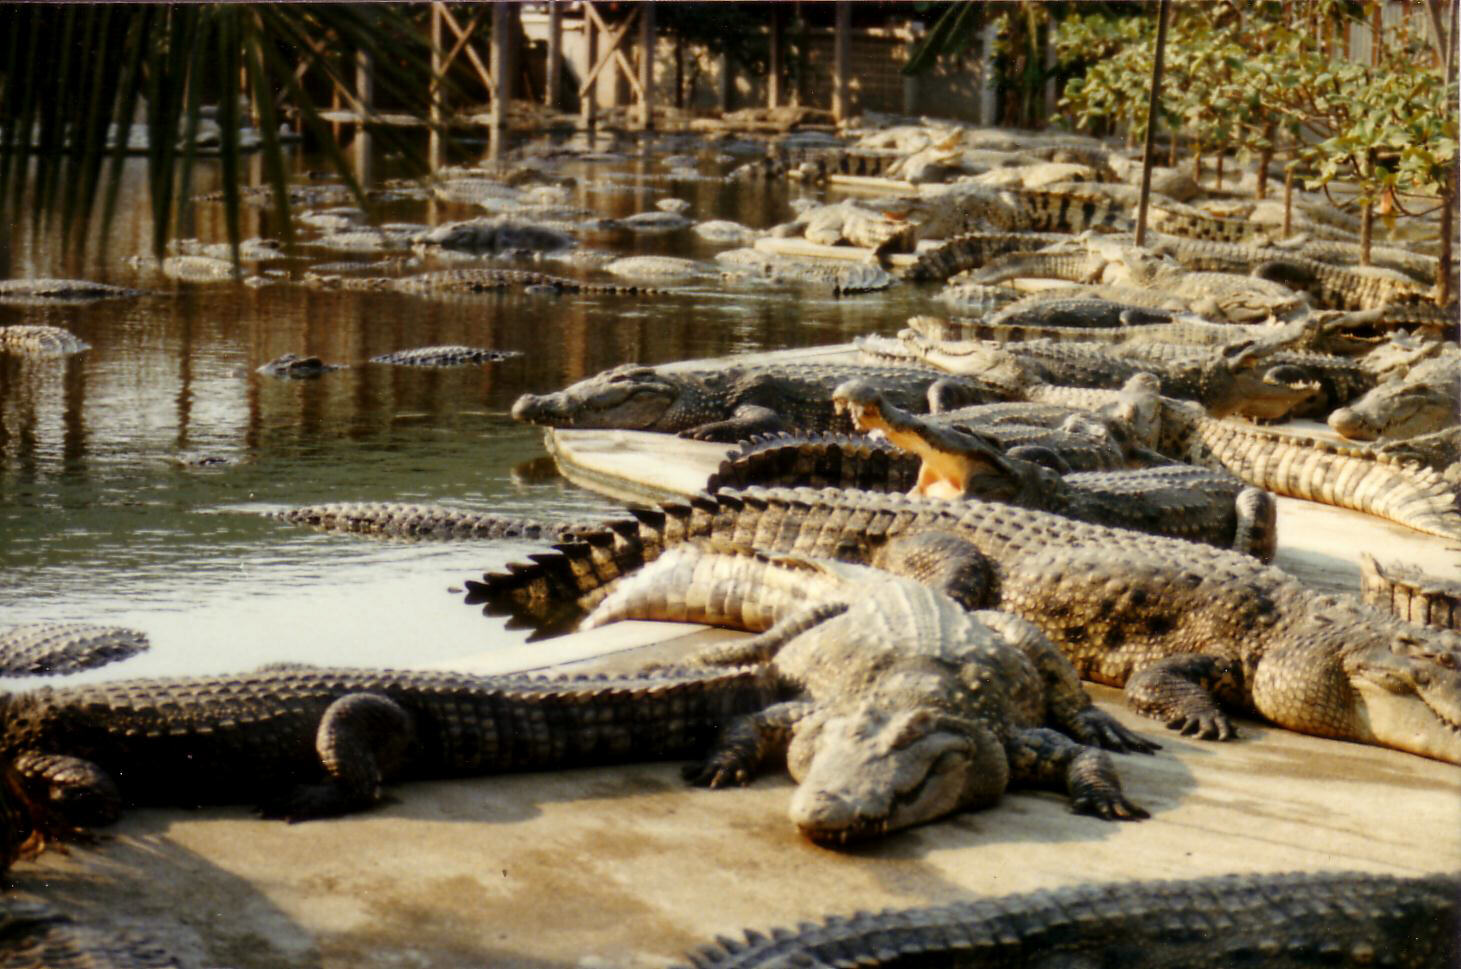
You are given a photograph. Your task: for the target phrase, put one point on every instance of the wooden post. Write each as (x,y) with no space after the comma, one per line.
(988,86)
(501,74)
(1151,123)
(727,83)
(434,151)
(553,84)
(777,55)
(646,66)
(842,62)
(365,95)
(588,99)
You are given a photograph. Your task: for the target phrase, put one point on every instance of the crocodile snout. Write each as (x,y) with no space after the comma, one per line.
(528,408)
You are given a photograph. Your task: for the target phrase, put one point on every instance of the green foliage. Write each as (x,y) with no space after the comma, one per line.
(73,77)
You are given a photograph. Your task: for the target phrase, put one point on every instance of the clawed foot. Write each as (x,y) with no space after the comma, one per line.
(1108,805)
(1099,729)
(1204,726)
(721,769)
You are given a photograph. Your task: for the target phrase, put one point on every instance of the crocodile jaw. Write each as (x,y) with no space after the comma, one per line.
(1405,722)
(598,403)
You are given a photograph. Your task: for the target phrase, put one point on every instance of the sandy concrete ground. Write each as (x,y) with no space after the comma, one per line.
(628,867)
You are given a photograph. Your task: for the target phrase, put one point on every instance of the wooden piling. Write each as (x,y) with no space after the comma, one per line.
(501,74)
(1151,123)
(776,56)
(553,83)
(434,149)
(842,62)
(646,67)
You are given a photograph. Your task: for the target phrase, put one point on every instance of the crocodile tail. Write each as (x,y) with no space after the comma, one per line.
(819,461)
(426,522)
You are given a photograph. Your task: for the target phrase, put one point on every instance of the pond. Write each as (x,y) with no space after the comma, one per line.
(135,477)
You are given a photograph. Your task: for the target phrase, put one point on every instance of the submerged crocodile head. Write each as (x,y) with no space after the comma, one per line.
(630,397)
(1408,695)
(867,770)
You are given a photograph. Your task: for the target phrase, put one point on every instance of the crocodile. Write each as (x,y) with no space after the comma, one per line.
(1079,312)
(1170,620)
(657,267)
(296,367)
(1210,255)
(40,340)
(1373,480)
(972,208)
(1409,594)
(971,299)
(45,290)
(960,462)
(444,356)
(1216,295)
(44,649)
(816,164)
(897,705)
(1262,921)
(972,250)
(1235,379)
(731,403)
(446,281)
(311,742)
(425,522)
(1426,399)
(852,223)
(1439,450)
(844,279)
(38,936)
(1345,287)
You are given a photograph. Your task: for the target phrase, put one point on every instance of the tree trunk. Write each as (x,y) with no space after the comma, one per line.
(1367,217)
(1448,228)
(1265,158)
(1288,201)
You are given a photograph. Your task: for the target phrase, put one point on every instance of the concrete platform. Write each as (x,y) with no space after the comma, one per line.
(627,867)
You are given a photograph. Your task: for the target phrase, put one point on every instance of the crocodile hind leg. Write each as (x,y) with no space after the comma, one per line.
(1182,692)
(747,742)
(1257,531)
(748,419)
(942,560)
(362,737)
(1044,758)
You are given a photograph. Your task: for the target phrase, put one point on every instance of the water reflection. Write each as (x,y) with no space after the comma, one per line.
(131,476)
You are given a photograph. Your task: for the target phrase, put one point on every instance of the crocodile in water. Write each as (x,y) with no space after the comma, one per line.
(447,281)
(897,705)
(58,291)
(43,649)
(732,403)
(1170,620)
(296,367)
(1285,921)
(445,356)
(435,522)
(40,340)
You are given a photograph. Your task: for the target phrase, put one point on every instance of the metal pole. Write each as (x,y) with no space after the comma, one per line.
(1151,122)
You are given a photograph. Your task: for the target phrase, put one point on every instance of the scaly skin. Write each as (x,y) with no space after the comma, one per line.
(1345,288)
(444,356)
(35,936)
(898,706)
(1426,399)
(425,522)
(973,250)
(730,404)
(58,290)
(40,340)
(1408,594)
(446,281)
(44,649)
(310,743)
(1290,921)
(958,462)
(1161,616)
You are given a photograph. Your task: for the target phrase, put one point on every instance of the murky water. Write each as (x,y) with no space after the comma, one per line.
(106,514)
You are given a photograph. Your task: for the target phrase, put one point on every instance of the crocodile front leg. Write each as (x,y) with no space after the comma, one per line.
(747,742)
(78,791)
(1182,692)
(1043,758)
(362,738)
(747,420)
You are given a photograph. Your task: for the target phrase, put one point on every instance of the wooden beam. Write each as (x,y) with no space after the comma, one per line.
(842,62)
(646,67)
(587,103)
(434,152)
(463,46)
(553,84)
(615,39)
(777,56)
(501,68)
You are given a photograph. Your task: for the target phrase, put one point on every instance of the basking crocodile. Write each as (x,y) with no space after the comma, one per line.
(1258,921)
(1170,620)
(308,743)
(444,356)
(897,705)
(1426,399)
(844,279)
(973,208)
(43,649)
(446,281)
(59,291)
(40,340)
(1408,594)
(293,366)
(33,935)
(959,462)
(1215,295)
(731,403)
(972,250)
(1235,379)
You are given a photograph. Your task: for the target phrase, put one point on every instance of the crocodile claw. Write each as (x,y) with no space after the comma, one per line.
(1206,726)
(720,770)
(1109,807)
(1097,727)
